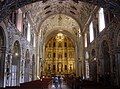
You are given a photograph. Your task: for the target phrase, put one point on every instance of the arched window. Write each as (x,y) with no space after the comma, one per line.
(87,55)
(101,20)
(19,20)
(28,32)
(91,31)
(85,39)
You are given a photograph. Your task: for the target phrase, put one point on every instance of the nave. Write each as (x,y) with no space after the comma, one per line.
(71,38)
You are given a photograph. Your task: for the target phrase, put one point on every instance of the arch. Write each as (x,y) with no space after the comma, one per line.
(91,31)
(59,18)
(93,66)
(41,22)
(106,63)
(27,66)
(52,34)
(2,55)
(59,58)
(106,57)
(16,55)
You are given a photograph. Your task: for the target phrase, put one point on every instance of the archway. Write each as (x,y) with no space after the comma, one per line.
(27,66)
(16,64)
(93,66)
(106,57)
(2,55)
(59,55)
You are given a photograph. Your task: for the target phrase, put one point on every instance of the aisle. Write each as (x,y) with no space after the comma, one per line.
(63,86)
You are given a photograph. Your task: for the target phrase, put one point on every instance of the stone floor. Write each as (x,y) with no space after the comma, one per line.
(63,86)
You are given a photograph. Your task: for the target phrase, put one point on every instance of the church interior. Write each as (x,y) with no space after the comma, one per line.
(40,39)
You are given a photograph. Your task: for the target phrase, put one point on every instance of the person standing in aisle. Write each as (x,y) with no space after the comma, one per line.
(60,81)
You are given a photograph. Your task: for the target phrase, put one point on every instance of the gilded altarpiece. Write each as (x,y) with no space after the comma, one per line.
(59,56)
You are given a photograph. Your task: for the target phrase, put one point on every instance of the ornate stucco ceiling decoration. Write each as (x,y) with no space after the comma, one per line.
(39,11)
(60,22)
(8,6)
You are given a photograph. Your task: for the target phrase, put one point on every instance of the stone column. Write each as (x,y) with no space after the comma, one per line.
(38,47)
(82,56)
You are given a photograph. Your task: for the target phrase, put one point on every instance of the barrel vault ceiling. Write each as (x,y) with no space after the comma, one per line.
(50,14)
(39,10)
